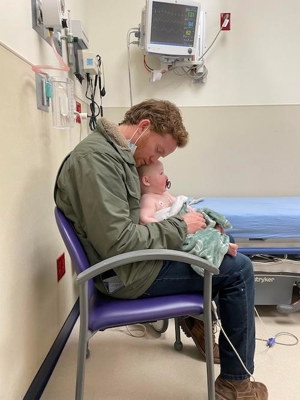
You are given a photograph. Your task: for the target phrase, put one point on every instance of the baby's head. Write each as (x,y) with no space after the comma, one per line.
(153,178)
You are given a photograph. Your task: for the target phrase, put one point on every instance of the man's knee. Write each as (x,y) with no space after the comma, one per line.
(240,263)
(246,266)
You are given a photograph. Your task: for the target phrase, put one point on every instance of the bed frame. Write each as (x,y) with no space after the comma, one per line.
(276,259)
(277,269)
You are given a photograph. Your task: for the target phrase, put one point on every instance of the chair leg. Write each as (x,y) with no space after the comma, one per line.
(178,343)
(87,354)
(83,340)
(82,353)
(208,335)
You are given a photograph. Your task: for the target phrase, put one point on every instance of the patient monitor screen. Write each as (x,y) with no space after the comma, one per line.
(173,24)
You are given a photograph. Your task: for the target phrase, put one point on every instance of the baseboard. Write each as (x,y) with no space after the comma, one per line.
(41,379)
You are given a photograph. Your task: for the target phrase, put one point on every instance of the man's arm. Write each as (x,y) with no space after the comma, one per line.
(105,197)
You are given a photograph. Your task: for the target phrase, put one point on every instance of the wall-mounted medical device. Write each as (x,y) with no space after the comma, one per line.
(48,14)
(170,28)
(57,92)
(69,37)
(53,12)
(80,42)
(62,102)
(80,32)
(87,62)
(174,32)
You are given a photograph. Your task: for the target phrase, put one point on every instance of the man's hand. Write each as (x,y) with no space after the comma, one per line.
(194,221)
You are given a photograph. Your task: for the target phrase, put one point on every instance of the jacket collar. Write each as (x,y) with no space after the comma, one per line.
(113,132)
(114,136)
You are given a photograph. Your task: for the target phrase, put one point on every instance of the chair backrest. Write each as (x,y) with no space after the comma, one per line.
(73,245)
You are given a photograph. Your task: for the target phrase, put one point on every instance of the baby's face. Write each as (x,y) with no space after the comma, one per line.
(157,177)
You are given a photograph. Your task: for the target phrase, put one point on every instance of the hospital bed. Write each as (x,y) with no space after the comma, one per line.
(267,229)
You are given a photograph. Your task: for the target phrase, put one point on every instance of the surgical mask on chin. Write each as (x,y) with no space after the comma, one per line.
(133,146)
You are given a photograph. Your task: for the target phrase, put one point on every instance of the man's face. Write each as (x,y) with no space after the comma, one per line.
(152,146)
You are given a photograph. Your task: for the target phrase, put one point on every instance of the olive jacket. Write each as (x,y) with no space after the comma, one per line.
(98,189)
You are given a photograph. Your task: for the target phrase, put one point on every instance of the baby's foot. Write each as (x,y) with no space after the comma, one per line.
(232,249)
(219,228)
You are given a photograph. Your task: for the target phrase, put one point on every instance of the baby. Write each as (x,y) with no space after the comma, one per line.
(158,204)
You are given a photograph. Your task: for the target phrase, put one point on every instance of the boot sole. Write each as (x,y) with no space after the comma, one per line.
(186,330)
(218,397)
(256,391)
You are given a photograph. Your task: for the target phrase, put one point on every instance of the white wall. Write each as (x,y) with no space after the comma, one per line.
(33,306)
(235,151)
(244,121)
(256,63)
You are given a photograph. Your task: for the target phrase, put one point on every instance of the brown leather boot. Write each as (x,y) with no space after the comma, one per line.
(194,328)
(240,390)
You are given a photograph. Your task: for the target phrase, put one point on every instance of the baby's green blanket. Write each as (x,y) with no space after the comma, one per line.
(208,243)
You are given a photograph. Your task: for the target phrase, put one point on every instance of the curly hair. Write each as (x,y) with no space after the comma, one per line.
(165,118)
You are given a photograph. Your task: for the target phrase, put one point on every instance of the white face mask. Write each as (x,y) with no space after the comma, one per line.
(133,146)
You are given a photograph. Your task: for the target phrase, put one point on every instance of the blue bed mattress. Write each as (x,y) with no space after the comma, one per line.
(258,217)
(267,229)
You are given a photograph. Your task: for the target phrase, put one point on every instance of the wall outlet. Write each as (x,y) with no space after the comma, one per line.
(61,266)
(78,109)
(223,17)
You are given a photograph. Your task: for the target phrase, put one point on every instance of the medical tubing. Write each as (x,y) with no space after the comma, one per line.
(64,67)
(214,310)
(130,31)
(272,340)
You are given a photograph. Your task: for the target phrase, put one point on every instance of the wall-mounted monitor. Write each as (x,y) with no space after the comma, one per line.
(170,27)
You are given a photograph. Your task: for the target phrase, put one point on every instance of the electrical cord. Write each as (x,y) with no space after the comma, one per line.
(271,341)
(102,90)
(91,88)
(191,71)
(81,116)
(271,258)
(94,107)
(136,31)
(214,310)
(138,328)
(202,75)
(206,51)
(149,69)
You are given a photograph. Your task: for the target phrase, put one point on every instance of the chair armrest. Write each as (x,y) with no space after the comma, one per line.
(143,255)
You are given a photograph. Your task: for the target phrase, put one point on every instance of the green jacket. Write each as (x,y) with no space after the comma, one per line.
(98,189)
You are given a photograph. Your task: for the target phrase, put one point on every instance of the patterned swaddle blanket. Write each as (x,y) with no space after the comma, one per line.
(208,243)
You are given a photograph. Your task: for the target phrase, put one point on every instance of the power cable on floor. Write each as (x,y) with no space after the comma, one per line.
(271,341)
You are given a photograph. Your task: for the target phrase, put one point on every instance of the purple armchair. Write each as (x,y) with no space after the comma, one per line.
(99,312)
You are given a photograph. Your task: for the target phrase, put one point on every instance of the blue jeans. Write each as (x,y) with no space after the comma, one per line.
(234,287)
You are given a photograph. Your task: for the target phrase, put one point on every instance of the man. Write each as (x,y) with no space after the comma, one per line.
(98,189)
